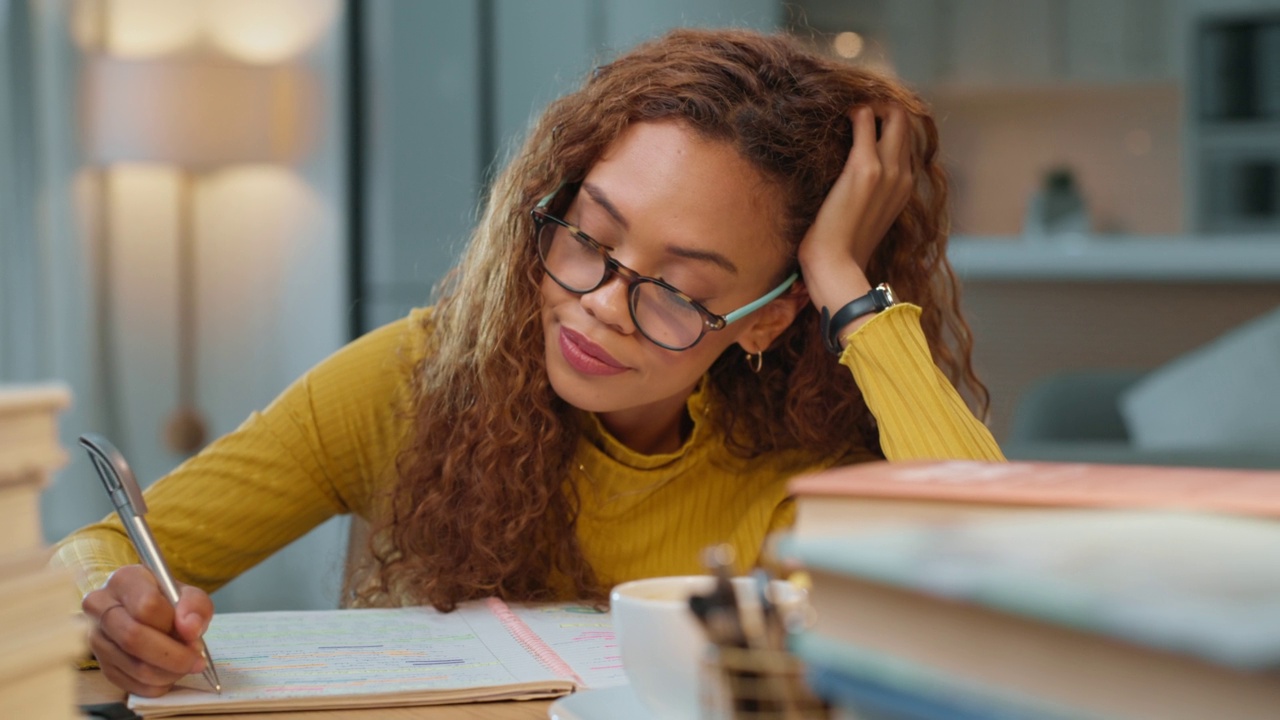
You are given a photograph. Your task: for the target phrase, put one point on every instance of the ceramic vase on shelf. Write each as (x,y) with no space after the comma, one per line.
(1057,210)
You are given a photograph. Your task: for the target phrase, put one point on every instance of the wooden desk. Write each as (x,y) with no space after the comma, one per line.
(92,687)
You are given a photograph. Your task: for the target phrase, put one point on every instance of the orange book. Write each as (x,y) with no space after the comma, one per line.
(853,497)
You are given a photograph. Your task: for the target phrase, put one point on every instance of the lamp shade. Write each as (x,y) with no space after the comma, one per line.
(196,113)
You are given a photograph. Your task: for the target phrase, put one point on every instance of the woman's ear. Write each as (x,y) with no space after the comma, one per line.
(767,323)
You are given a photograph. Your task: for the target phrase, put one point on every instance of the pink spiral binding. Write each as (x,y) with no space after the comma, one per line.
(524,635)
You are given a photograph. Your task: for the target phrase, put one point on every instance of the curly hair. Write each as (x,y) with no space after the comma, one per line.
(482,504)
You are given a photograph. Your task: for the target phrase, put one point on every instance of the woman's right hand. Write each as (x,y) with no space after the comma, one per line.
(143,643)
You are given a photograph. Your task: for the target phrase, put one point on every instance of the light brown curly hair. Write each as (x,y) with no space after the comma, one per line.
(482,504)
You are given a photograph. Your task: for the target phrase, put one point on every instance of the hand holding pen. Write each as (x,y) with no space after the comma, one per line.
(146,627)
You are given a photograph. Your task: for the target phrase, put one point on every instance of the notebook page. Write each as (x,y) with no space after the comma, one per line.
(273,656)
(582,636)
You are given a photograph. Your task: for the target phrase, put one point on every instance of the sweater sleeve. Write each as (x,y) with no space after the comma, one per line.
(919,412)
(321,448)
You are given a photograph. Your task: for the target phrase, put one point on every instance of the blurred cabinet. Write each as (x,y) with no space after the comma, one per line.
(1233,113)
(1120,40)
(993,44)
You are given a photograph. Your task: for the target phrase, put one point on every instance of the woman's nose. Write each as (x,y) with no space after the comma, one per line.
(610,304)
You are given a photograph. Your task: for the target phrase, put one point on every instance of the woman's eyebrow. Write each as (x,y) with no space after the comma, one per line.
(596,194)
(704,255)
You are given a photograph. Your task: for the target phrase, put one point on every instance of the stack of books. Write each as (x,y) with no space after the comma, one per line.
(1040,590)
(40,634)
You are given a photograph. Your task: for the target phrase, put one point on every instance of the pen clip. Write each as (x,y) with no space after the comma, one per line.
(115,474)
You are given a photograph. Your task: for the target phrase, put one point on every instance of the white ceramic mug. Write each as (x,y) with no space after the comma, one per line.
(664,646)
(662,643)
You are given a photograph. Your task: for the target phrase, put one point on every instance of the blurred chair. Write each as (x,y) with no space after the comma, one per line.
(358,553)
(1074,406)
(1074,416)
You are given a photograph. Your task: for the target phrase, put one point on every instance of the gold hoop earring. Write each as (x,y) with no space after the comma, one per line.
(755,361)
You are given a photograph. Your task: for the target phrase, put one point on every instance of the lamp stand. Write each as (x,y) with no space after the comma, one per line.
(186,429)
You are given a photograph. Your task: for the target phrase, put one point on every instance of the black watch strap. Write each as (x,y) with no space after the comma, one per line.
(880,298)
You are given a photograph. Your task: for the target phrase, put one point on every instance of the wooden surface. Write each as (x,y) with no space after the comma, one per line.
(92,687)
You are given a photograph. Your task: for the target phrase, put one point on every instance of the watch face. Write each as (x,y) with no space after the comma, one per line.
(885,297)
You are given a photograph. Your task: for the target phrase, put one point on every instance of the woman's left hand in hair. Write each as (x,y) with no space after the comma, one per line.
(868,196)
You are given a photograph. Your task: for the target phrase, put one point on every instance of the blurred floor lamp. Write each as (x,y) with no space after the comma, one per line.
(194,115)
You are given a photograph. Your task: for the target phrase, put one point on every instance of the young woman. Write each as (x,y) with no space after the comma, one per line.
(669,308)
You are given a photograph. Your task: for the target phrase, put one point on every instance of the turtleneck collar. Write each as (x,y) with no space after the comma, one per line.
(698,407)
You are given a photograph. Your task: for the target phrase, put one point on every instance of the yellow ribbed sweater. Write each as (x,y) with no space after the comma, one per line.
(327,445)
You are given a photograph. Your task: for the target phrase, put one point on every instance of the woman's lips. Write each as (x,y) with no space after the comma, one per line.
(585,356)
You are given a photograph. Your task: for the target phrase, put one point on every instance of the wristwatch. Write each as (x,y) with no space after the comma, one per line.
(879,299)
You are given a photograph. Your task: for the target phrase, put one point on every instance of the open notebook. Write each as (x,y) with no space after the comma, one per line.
(486,650)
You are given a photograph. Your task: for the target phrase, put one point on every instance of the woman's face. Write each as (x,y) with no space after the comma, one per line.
(670,205)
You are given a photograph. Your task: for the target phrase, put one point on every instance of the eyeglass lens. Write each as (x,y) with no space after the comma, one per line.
(661,315)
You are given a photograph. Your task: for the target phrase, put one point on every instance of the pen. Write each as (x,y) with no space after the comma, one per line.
(722,616)
(718,609)
(126,496)
(774,637)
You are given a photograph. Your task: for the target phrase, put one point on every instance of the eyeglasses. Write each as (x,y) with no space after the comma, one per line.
(663,314)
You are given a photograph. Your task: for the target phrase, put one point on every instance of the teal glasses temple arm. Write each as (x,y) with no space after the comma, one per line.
(545,201)
(749,308)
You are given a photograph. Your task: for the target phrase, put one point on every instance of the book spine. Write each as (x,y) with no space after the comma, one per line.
(531,642)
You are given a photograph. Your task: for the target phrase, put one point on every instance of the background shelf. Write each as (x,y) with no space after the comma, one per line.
(1235,258)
